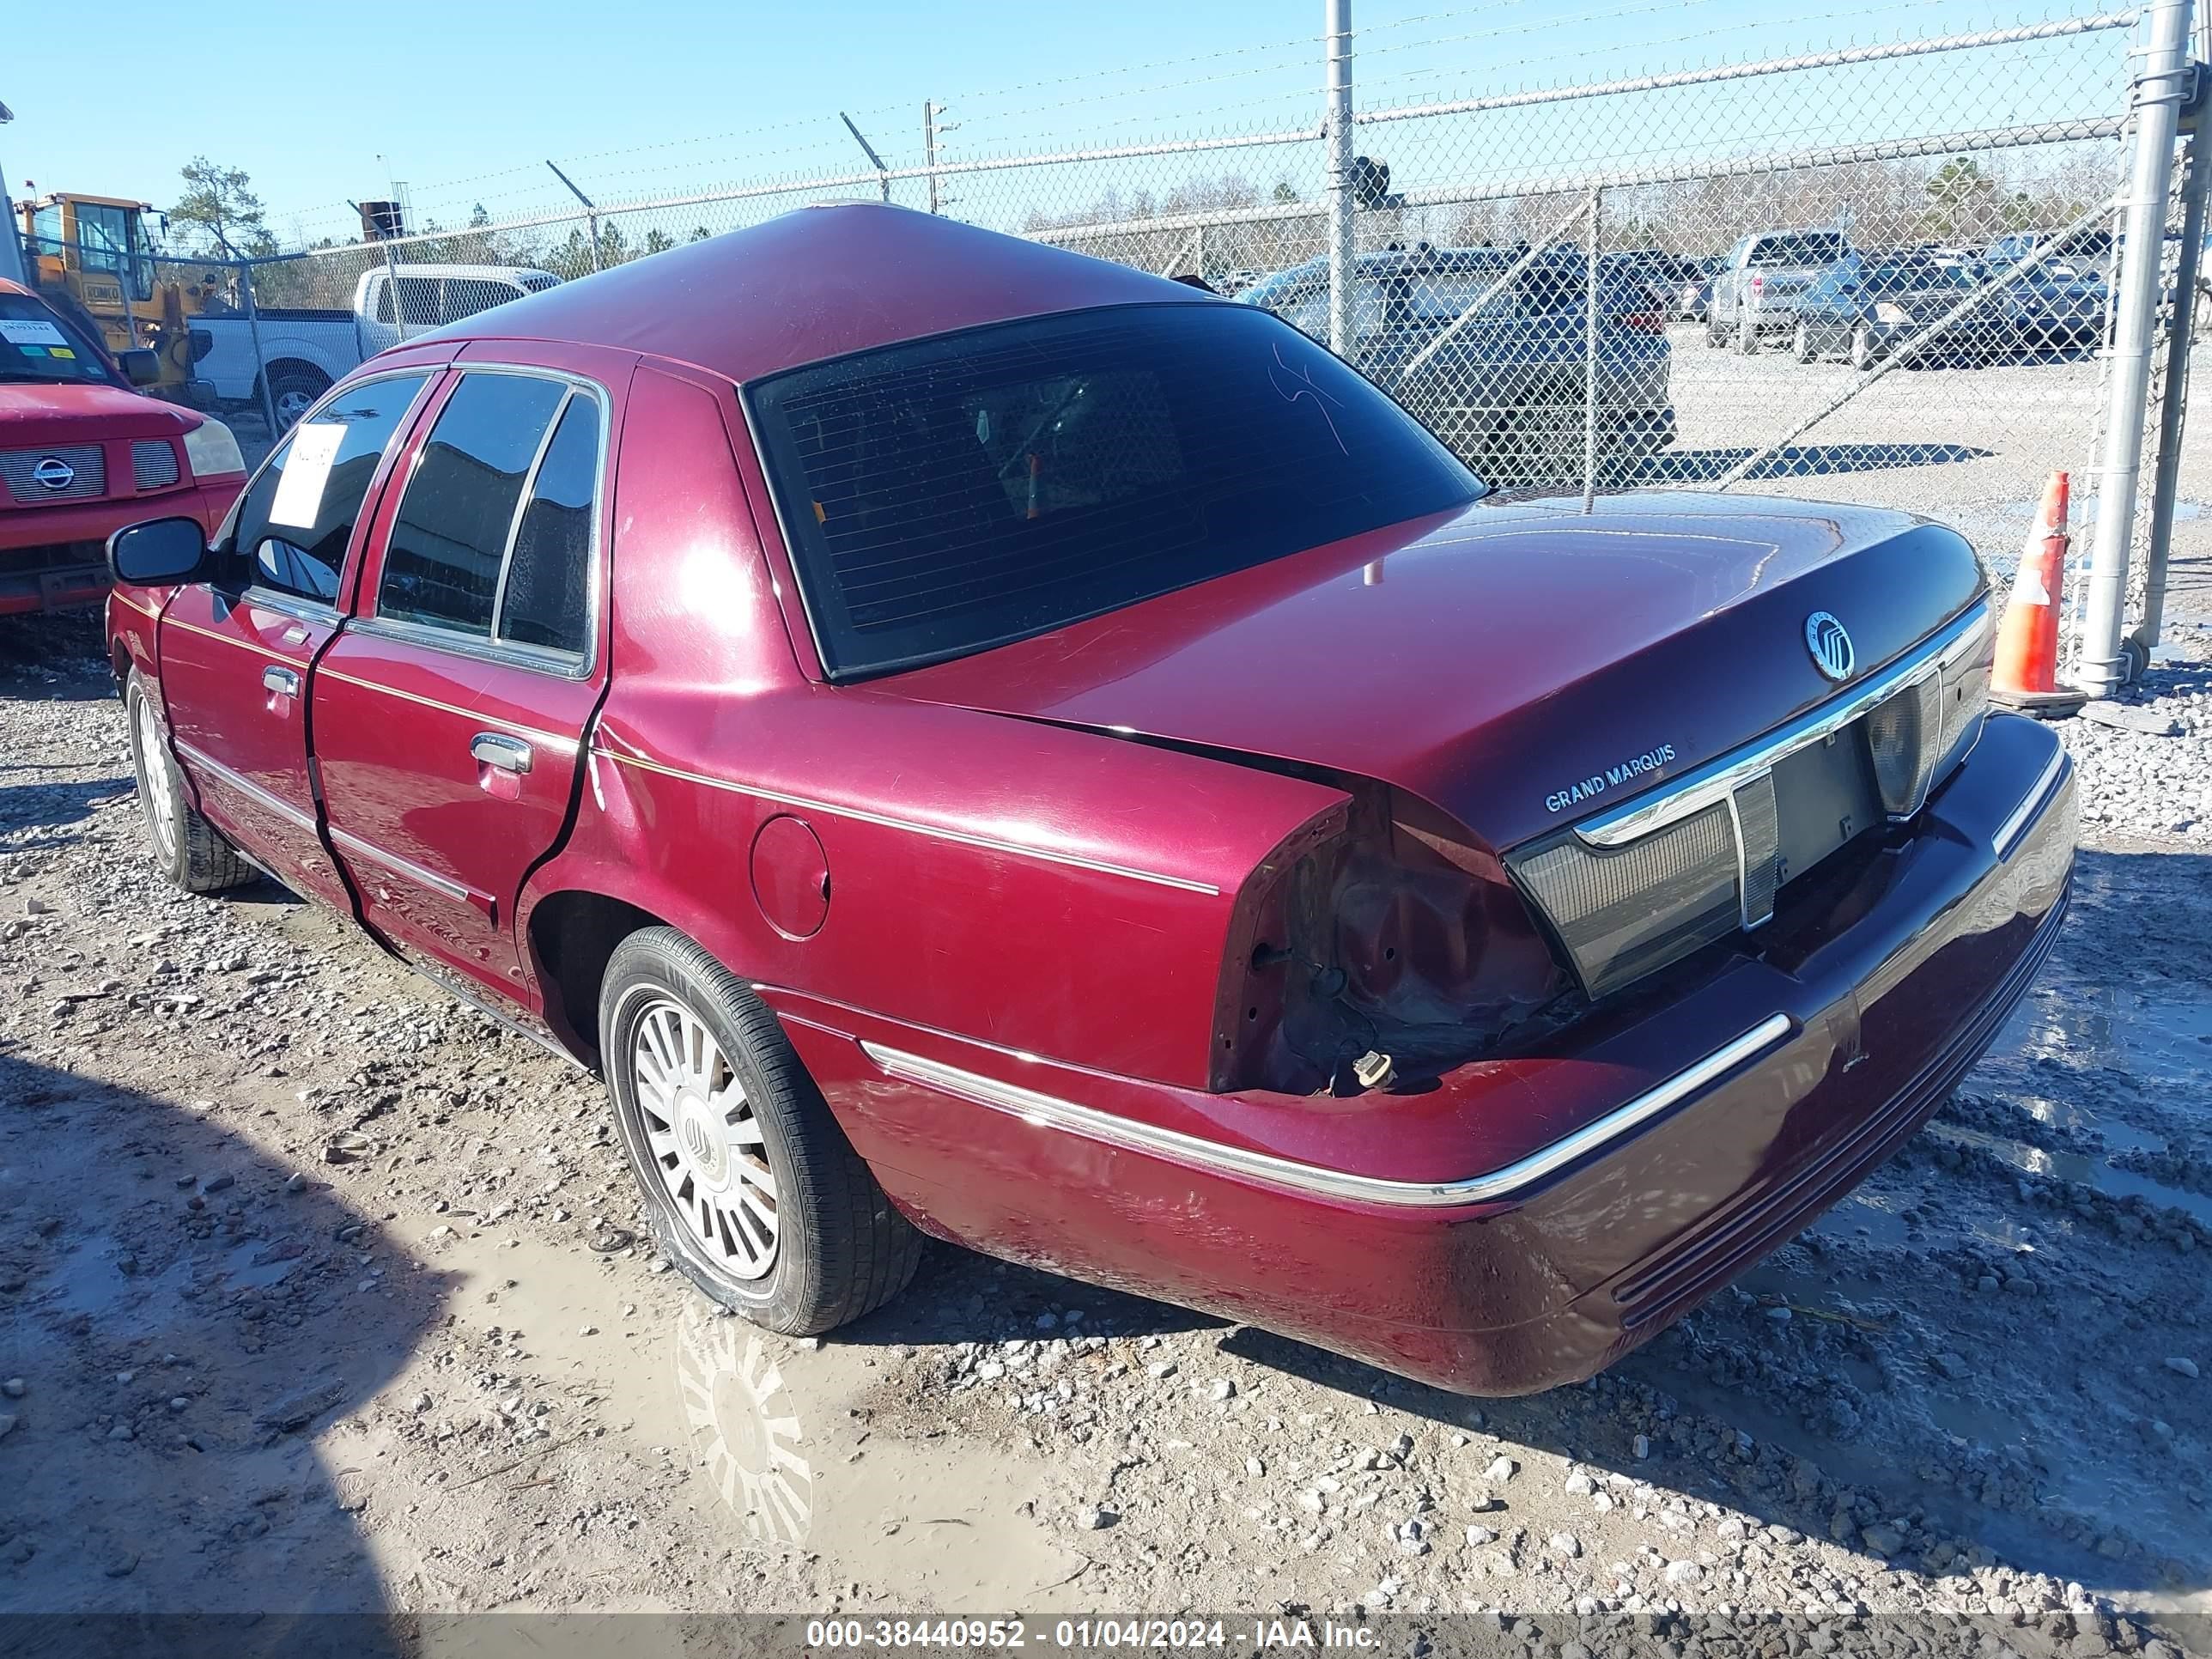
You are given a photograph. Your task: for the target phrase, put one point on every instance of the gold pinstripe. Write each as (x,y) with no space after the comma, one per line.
(254,646)
(552,739)
(988,844)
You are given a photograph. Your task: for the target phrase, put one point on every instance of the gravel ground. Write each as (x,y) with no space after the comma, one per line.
(319,1293)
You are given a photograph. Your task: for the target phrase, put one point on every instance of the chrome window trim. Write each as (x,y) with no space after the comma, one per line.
(442,886)
(1048,1112)
(295,606)
(244,786)
(563,665)
(226,531)
(2031,806)
(1720,778)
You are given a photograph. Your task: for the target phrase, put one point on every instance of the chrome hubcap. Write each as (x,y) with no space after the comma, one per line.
(155,788)
(708,1147)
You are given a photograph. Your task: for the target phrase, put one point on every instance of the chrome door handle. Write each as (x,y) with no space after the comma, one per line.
(497,748)
(283,681)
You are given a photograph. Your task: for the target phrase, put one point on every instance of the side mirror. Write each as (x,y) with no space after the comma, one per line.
(140,367)
(158,553)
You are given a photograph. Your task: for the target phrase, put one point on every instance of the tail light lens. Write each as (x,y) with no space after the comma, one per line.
(1642,322)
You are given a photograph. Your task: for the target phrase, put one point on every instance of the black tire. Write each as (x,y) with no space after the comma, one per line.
(1746,336)
(1801,343)
(193,853)
(292,388)
(840,1250)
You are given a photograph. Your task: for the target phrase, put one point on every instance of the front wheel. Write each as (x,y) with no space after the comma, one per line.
(749,1185)
(189,850)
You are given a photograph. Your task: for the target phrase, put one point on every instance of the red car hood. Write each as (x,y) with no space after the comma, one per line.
(31,416)
(1492,661)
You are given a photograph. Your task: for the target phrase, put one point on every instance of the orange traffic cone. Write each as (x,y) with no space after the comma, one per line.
(2025,673)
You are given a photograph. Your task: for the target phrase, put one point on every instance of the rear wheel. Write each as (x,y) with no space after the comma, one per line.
(1746,336)
(1801,343)
(749,1185)
(189,850)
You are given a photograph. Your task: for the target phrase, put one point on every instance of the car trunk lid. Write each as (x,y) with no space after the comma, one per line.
(1518,665)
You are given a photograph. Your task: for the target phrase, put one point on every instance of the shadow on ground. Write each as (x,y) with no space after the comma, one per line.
(183,1324)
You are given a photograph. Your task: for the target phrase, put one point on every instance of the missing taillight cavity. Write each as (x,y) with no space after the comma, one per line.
(1402,954)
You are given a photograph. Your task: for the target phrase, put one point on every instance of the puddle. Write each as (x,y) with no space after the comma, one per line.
(1865,1215)
(2077,1167)
(805,1449)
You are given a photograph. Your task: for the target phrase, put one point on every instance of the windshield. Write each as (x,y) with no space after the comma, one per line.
(957,493)
(35,344)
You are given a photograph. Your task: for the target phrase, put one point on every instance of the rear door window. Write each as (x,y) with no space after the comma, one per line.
(290,529)
(493,540)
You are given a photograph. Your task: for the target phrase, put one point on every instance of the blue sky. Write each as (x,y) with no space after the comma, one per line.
(670,95)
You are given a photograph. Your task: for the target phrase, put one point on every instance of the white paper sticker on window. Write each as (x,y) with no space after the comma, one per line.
(307,468)
(31,331)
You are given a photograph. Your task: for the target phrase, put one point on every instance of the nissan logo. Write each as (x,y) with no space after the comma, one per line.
(54,473)
(1830,646)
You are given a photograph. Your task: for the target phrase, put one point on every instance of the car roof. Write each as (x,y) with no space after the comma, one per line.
(816,283)
(478,273)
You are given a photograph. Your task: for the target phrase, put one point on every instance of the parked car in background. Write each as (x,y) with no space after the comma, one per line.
(2085,250)
(1498,371)
(1757,291)
(83,452)
(1660,273)
(305,350)
(1001,746)
(1868,307)
(1862,309)
(1693,300)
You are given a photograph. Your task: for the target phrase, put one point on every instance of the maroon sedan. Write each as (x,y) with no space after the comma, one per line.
(967,740)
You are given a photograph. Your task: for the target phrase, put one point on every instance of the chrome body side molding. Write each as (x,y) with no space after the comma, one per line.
(1049,1112)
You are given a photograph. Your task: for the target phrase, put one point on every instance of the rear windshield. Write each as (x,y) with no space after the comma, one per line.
(957,493)
(36,345)
(1805,248)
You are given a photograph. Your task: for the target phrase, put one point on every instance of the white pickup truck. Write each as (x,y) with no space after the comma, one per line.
(304,351)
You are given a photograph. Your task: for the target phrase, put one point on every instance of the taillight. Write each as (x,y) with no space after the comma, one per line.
(1642,322)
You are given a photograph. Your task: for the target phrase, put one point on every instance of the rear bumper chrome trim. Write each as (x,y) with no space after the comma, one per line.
(1047,1111)
(1718,779)
(2031,806)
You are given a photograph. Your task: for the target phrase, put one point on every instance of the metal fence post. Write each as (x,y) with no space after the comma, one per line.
(1589,358)
(929,147)
(391,277)
(591,213)
(2173,408)
(2104,658)
(1343,229)
(253,333)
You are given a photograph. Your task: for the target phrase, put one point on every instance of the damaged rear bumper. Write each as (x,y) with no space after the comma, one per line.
(1665,1146)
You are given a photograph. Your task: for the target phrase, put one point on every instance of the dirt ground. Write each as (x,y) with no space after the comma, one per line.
(319,1294)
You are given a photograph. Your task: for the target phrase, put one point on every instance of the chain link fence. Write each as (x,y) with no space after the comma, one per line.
(1890,274)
